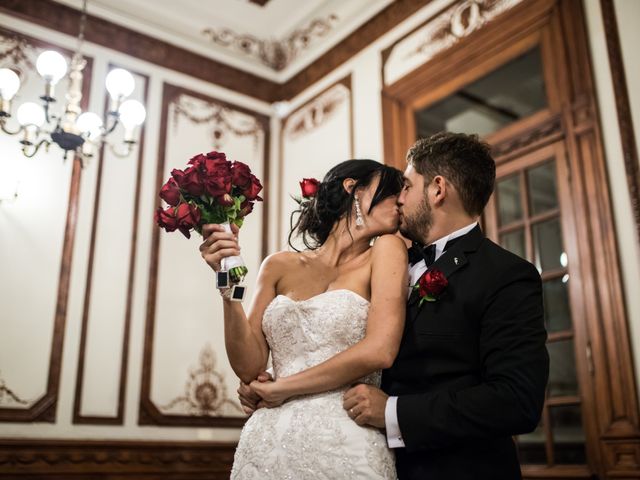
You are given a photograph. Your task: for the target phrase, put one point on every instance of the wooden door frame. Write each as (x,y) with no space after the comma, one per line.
(558,26)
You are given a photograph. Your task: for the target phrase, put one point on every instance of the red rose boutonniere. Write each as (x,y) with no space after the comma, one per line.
(431,285)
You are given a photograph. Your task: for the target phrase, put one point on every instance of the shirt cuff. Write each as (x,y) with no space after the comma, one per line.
(394,436)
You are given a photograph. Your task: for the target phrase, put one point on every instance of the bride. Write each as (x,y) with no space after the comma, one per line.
(330,316)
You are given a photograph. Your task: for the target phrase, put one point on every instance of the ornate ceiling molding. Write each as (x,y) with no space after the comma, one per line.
(275,54)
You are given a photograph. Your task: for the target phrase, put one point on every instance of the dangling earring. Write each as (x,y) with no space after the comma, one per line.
(359,217)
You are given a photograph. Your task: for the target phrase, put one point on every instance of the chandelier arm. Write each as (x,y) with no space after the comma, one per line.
(3,122)
(122,154)
(109,130)
(35,148)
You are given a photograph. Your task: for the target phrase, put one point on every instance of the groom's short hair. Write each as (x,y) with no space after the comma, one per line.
(462,159)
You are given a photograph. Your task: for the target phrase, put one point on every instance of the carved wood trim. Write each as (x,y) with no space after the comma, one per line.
(78,418)
(148,412)
(44,410)
(623,107)
(33,459)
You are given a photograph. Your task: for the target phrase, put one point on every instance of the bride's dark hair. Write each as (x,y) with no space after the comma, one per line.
(315,219)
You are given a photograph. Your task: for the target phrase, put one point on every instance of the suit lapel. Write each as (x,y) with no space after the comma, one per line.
(452,260)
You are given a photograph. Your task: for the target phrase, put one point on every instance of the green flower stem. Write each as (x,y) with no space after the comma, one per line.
(237,274)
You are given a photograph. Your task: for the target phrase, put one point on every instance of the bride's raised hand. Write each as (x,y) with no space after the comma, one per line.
(271,392)
(218,244)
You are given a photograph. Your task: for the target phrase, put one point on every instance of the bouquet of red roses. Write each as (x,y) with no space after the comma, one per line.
(211,189)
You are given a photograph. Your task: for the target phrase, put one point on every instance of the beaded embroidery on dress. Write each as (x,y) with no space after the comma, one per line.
(312,437)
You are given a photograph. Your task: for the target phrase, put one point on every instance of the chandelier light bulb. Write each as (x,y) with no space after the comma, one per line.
(30,114)
(132,114)
(9,83)
(120,83)
(89,124)
(51,66)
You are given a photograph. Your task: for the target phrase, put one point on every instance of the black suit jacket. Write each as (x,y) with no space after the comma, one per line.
(472,367)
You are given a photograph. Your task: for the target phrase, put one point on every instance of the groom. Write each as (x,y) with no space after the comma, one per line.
(472,367)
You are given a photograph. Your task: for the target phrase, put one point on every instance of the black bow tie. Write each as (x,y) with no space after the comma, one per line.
(417,252)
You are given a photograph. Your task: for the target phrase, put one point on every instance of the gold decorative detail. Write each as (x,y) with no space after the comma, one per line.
(205,391)
(7,396)
(317,112)
(275,54)
(16,53)
(459,21)
(222,119)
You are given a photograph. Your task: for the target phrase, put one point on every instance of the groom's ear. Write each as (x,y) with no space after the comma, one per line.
(439,187)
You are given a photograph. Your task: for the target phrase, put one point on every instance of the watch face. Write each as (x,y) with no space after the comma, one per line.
(222,280)
(237,293)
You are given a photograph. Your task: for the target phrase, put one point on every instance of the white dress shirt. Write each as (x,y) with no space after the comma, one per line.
(394,436)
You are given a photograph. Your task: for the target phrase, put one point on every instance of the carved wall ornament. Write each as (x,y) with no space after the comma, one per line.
(222,119)
(16,53)
(317,112)
(205,391)
(459,21)
(8,397)
(275,54)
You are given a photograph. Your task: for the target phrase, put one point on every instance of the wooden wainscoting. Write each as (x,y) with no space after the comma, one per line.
(114,460)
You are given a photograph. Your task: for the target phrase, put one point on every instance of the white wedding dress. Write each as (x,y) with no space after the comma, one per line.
(312,437)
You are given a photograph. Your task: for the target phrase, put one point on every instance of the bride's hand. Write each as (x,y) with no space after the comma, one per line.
(218,244)
(272,393)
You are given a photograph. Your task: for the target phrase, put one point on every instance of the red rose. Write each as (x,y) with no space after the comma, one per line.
(432,284)
(241,175)
(189,181)
(246,208)
(309,187)
(216,174)
(166,218)
(170,192)
(188,217)
(197,160)
(225,200)
(217,155)
(252,191)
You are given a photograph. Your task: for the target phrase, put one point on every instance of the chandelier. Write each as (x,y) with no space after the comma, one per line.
(71,129)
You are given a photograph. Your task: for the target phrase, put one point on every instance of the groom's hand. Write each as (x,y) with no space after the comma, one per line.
(248,397)
(365,405)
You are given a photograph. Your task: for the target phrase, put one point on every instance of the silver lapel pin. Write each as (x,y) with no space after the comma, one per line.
(456,261)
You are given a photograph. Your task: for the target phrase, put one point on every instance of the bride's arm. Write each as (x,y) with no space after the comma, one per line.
(379,347)
(245,343)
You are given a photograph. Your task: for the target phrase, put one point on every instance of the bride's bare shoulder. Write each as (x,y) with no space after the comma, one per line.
(389,243)
(282,261)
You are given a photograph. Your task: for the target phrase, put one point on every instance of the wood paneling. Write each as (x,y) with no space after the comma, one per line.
(114,460)
(346,81)
(148,412)
(118,419)
(44,410)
